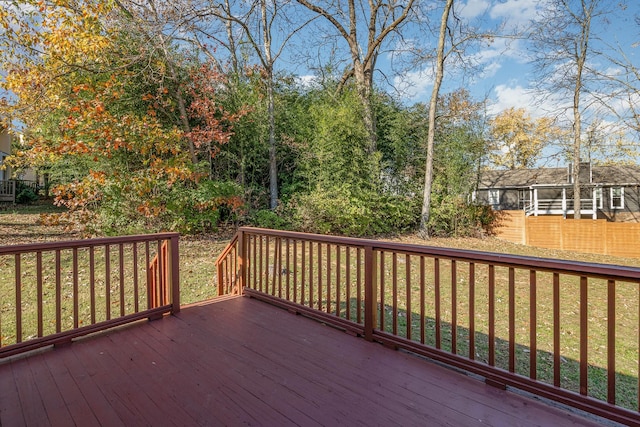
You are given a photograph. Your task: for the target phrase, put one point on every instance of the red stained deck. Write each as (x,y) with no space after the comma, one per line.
(241,361)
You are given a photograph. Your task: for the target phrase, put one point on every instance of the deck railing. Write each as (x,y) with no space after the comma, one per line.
(8,191)
(567,331)
(53,292)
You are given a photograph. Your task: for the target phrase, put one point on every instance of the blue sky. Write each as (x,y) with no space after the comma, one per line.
(505,74)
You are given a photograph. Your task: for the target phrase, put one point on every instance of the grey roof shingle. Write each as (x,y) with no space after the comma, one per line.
(603,175)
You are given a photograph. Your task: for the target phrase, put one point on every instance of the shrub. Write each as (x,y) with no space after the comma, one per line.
(25,194)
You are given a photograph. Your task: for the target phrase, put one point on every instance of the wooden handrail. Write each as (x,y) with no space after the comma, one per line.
(464,308)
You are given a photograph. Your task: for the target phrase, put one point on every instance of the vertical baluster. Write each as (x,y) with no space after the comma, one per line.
(303,267)
(407,263)
(394,291)
(287,267)
(533,326)
(279,262)
(422,301)
(39,290)
(58,293)
(136,292)
(18,285)
(611,342)
(347,279)
(75,288)
(436,279)
(584,337)
(492,315)
(472,314)
(161,276)
(512,320)
(454,307)
(338,272)
(260,276)
(255,277)
(556,329)
(147,259)
(320,276)
(295,271)
(328,278)
(92,283)
(311,274)
(359,266)
(383,295)
(121,266)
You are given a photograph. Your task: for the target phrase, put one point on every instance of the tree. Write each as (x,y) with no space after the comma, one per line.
(563,46)
(518,139)
(383,19)
(439,65)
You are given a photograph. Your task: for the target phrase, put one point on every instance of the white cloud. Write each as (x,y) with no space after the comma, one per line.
(414,84)
(473,8)
(515,12)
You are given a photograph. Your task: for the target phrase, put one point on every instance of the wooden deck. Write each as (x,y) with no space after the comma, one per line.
(241,361)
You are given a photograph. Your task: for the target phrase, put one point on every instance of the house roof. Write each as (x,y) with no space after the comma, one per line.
(601,175)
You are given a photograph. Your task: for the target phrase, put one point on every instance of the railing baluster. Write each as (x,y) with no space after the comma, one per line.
(18,296)
(136,291)
(279,270)
(347,270)
(611,342)
(58,293)
(370,297)
(149,271)
(287,267)
(422,301)
(584,337)
(436,284)
(472,313)
(75,288)
(311,274)
(492,315)
(533,326)
(295,271)
(338,272)
(40,296)
(328,278)
(407,263)
(303,266)
(383,295)
(394,291)
(512,320)
(454,307)
(261,281)
(121,266)
(556,329)
(320,276)
(359,286)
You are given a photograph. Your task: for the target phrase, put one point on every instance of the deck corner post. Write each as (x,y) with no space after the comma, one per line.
(242,250)
(175,274)
(370,297)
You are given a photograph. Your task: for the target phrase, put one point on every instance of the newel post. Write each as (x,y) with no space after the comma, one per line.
(242,261)
(175,274)
(370,292)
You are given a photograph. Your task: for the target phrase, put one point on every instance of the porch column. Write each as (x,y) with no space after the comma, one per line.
(594,206)
(564,202)
(535,202)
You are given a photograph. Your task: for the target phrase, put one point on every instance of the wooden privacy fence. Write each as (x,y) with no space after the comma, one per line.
(586,235)
(53,292)
(567,331)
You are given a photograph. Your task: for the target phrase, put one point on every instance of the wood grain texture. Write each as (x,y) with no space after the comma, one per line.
(241,361)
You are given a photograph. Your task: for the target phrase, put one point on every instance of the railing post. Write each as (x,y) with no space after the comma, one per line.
(242,264)
(174,257)
(370,292)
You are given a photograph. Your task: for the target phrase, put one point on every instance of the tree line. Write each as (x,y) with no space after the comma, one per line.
(183,115)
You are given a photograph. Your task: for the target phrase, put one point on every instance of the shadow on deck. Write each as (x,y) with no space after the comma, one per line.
(241,361)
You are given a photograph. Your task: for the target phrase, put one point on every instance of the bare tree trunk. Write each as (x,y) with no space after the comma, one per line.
(428,176)
(273,166)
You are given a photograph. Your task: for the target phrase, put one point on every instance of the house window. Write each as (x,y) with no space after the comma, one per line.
(598,194)
(617,198)
(494,197)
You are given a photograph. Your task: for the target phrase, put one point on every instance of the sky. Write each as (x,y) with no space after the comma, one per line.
(505,74)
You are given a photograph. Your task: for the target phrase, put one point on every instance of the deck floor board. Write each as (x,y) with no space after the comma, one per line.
(243,362)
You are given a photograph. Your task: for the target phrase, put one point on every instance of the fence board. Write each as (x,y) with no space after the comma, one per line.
(585,235)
